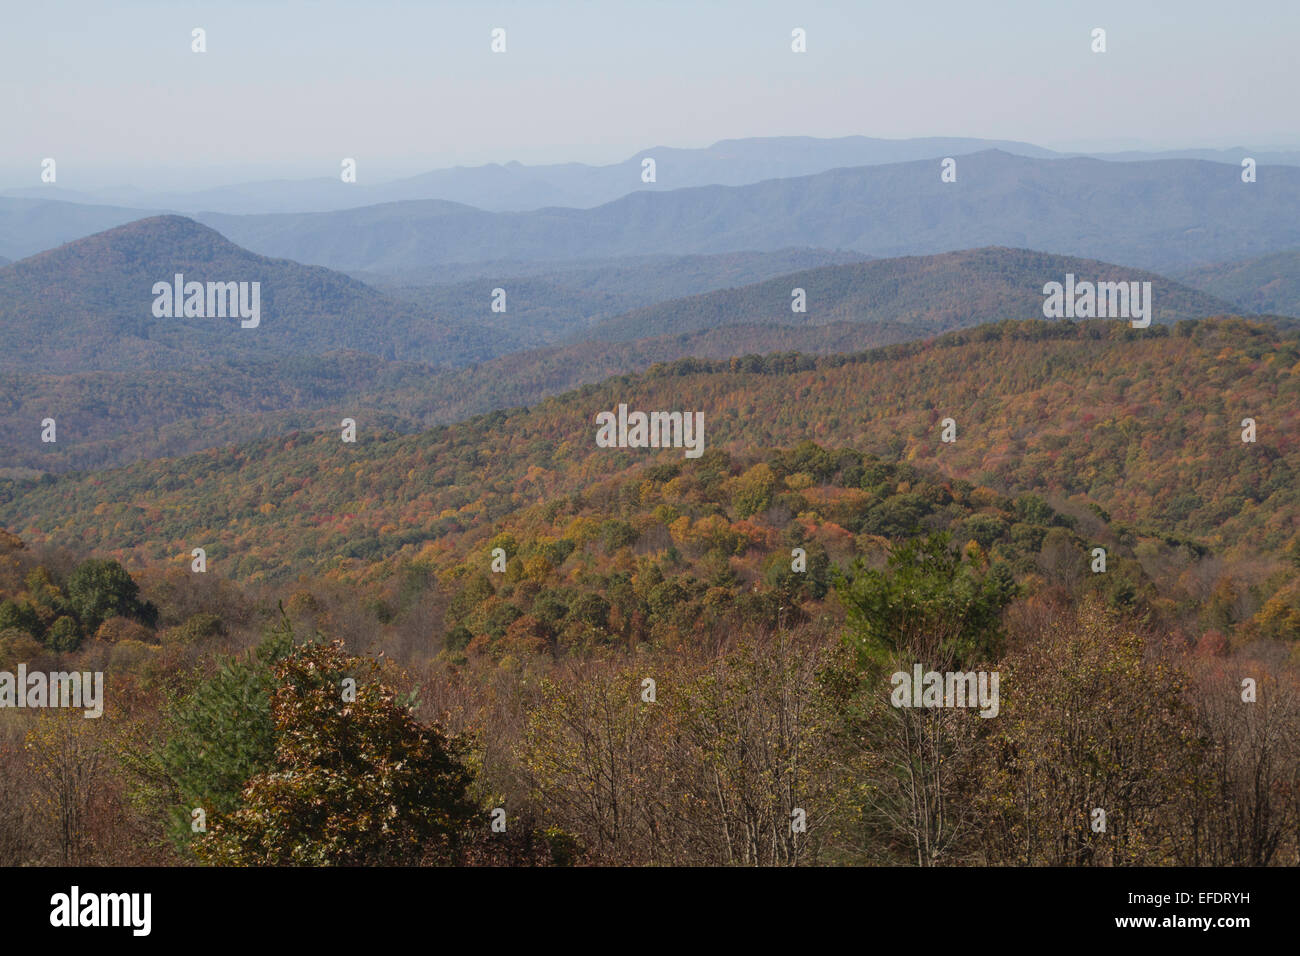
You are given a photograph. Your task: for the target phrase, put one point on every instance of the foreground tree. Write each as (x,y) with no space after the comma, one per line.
(725,764)
(927,589)
(216,739)
(65,769)
(592,757)
(1095,756)
(1246,809)
(356,779)
(750,753)
(907,769)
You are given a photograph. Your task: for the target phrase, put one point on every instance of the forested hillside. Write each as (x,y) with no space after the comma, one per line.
(108,419)
(525,612)
(1143,424)
(89,306)
(932,293)
(105,419)
(547,301)
(1268,284)
(235,386)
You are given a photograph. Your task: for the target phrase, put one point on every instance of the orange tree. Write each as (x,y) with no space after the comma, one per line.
(356,779)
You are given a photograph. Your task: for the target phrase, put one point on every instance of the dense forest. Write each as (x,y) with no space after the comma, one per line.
(1143,424)
(108,419)
(494,642)
(642,692)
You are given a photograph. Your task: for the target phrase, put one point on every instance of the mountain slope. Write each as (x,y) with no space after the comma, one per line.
(113,417)
(933,293)
(552,301)
(1264,284)
(1144,424)
(89,306)
(108,419)
(1191,213)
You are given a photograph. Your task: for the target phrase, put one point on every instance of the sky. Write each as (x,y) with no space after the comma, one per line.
(114,93)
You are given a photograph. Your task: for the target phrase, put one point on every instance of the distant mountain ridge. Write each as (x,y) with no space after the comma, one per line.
(1192,213)
(687,274)
(546,307)
(517,187)
(29,226)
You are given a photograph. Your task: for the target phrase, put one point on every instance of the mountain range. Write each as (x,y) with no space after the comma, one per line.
(1194,213)
(86,349)
(884,452)
(516,187)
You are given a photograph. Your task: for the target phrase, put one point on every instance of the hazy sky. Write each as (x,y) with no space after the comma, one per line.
(113,92)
